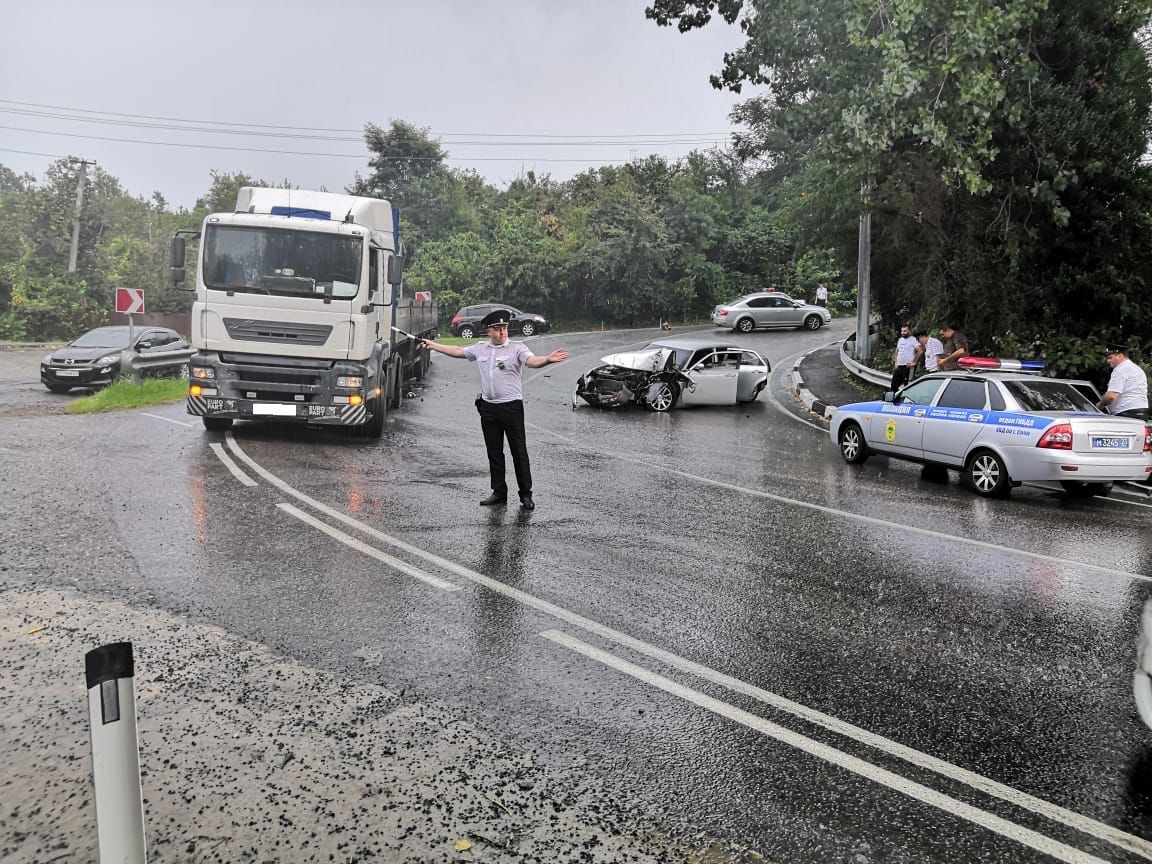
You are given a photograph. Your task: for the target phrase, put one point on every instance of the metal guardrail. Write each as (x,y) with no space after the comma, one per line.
(860,370)
(133,363)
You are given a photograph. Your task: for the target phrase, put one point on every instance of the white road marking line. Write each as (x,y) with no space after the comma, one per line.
(786,364)
(395,563)
(847,514)
(218,449)
(892,748)
(867,770)
(167,419)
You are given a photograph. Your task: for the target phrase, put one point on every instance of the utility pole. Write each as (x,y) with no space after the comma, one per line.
(79,207)
(864,278)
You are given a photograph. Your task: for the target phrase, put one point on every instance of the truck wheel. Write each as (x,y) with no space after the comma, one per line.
(395,385)
(466,332)
(374,428)
(217,424)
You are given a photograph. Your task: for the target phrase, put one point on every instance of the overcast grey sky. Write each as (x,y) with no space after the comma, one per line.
(468,71)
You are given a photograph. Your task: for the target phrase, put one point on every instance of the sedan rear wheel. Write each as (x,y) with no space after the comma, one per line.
(664,398)
(988,474)
(852,446)
(745,325)
(1080,489)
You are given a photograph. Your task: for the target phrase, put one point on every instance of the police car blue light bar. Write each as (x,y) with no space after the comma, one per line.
(1001,363)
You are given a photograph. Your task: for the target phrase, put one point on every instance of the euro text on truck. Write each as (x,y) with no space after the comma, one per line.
(300,314)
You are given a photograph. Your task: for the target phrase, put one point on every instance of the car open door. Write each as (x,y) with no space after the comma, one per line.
(714,379)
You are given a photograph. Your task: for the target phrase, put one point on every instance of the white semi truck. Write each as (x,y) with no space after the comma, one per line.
(299,313)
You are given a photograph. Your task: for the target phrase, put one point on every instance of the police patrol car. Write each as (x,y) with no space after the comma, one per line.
(1000,426)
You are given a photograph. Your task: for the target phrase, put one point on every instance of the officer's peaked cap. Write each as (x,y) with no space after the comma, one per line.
(1116,348)
(496,318)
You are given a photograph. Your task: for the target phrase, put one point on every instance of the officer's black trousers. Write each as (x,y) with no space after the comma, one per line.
(500,419)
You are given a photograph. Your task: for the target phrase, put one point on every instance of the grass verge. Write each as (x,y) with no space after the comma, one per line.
(125,394)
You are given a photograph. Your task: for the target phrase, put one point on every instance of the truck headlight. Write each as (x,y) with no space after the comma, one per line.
(354,381)
(204,373)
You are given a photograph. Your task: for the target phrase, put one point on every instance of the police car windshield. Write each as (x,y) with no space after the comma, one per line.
(1041,395)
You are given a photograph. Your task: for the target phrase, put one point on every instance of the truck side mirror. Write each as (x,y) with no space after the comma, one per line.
(395,270)
(176,258)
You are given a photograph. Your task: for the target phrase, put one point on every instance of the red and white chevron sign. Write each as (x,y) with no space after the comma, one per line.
(130,301)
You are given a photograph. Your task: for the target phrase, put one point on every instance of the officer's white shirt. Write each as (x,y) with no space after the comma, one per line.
(501,368)
(1131,383)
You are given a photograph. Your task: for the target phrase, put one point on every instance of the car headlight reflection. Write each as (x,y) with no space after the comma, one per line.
(108,358)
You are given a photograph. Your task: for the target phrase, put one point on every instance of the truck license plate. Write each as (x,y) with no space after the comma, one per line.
(274,409)
(1099,443)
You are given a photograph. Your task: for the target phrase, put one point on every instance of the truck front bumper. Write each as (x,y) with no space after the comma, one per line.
(248,409)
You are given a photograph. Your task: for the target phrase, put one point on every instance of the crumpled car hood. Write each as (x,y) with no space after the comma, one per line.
(652,360)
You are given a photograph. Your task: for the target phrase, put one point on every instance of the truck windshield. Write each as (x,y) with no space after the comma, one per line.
(281,261)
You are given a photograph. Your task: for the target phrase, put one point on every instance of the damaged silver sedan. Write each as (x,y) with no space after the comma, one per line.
(672,372)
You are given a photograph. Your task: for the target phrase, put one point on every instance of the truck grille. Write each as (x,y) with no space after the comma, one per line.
(279,332)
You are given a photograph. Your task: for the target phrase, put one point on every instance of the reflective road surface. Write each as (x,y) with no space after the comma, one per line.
(708,611)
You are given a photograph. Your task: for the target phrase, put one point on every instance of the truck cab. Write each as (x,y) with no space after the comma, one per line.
(297,297)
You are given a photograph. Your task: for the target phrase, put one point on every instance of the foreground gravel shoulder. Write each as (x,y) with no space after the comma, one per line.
(249,756)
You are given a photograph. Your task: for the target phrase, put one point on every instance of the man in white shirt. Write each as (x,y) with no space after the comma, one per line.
(1127,394)
(821,295)
(904,358)
(932,349)
(501,401)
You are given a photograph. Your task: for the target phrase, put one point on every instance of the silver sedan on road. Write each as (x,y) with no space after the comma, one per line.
(1000,430)
(769,309)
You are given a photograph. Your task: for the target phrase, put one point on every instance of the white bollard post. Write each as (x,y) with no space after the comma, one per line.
(110,674)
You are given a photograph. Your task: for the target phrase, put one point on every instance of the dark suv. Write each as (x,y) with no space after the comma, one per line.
(466,322)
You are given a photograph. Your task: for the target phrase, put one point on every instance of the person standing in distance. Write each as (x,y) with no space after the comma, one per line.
(904,358)
(932,349)
(1127,394)
(501,400)
(955,346)
(821,294)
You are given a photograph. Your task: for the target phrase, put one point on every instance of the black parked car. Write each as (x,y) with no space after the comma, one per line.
(94,358)
(466,322)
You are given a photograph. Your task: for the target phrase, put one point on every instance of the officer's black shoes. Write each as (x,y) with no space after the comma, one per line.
(494,499)
(526,502)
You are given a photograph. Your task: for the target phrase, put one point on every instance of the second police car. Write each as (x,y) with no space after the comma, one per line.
(1000,427)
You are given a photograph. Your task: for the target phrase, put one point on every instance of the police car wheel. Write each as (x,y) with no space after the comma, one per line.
(988,475)
(1080,489)
(852,446)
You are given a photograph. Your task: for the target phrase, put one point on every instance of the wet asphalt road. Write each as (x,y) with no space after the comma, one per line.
(761,632)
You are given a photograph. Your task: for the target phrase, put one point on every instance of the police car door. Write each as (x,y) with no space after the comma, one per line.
(714,379)
(955,420)
(899,425)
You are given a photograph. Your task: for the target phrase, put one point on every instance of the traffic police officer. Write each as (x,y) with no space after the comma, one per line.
(501,400)
(1127,394)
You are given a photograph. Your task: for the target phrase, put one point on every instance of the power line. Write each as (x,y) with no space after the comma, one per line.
(101,117)
(365,155)
(359,138)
